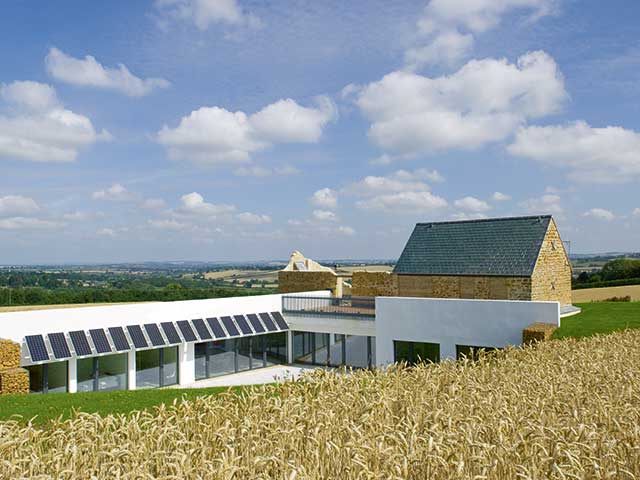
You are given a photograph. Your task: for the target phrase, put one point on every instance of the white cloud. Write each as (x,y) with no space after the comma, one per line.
(447,27)
(168,224)
(403,202)
(324,216)
(419,174)
(345,230)
(325,198)
(38,128)
(193,204)
(546,204)
(460,216)
(258,171)
(592,155)
(74,216)
(88,72)
(213,135)
(106,232)
(204,13)
(483,102)
(398,181)
(153,203)
(472,204)
(500,197)
(115,192)
(636,212)
(600,214)
(28,223)
(253,218)
(17,205)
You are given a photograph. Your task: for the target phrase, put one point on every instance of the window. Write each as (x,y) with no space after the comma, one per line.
(471,352)
(157,368)
(416,352)
(106,373)
(48,377)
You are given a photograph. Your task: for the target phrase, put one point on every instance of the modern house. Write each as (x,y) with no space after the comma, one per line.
(456,286)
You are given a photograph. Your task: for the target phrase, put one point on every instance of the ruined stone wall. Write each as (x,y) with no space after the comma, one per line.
(297,281)
(551,279)
(470,287)
(374,284)
(13,379)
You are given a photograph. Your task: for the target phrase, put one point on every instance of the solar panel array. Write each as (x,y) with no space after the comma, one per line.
(224,327)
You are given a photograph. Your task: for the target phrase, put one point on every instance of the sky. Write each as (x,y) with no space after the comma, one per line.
(240,130)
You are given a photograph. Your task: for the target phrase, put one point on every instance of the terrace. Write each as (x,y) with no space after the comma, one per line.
(362,307)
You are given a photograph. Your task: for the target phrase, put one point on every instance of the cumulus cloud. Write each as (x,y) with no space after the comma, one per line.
(447,28)
(204,13)
(346,230)
(259,171)
(214,135)
(168,224)
(500,197)
(600,214)
(88,72)
(193,204)
(472,204)
(17,205)
(36,127)
(325,198)
(403,202)
(253,218)
(153,203)
(483,102)
(460,216)
(324,216)
(544,205)
(115,192)
(636,212)
(419,174)
(591,155)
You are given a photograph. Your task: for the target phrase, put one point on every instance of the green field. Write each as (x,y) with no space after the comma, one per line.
(600,317)
(44,408)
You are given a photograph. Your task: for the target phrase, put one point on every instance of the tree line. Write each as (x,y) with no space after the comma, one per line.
(621,271)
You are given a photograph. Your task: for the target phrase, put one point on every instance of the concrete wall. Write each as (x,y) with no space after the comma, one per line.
(483,323)
(331,324)
(551,279)
(299,281)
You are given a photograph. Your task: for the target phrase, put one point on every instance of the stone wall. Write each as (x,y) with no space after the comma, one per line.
(374,284)
(470,287)
(551,279)
(13,379)
(300,281)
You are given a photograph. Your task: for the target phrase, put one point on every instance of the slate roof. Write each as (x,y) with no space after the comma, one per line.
(489,247)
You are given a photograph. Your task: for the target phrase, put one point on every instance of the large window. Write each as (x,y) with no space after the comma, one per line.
(103,373)
(275,345)
(416,352)
(157,367)
(359,351)
(48,377)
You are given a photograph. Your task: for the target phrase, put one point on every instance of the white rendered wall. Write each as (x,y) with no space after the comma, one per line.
(131,366)
(451,322)
(186,363)
(324,323)
(72,375)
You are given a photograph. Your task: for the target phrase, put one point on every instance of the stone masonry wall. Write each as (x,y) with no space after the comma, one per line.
(471,287)
(551,279)
(13,379)
(296,281)
(374,284)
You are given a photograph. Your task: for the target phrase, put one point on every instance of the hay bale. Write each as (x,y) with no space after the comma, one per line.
(538,332)
(9,354)
(14,380)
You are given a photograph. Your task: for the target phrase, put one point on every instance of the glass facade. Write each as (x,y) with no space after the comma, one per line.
(416,352)
(157,367)
(48,377)
(237,355)
(103,373)
(333,349)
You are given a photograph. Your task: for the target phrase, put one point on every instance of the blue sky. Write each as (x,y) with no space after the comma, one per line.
(241,130)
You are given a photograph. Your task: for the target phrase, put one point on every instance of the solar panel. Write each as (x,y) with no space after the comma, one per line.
(242,323)
(229,325)
(171,333)
(37,348)
(137,337)
(154,334)
(59,345)
(266,319)
(255,323)
(217,330)
(80,343)
(277,316)
(119,339)
(202,329)
(187,331)
(100,340)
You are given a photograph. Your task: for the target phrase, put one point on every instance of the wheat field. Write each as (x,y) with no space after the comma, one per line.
(566,409)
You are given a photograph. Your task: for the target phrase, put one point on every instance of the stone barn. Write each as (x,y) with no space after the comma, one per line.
(517,258)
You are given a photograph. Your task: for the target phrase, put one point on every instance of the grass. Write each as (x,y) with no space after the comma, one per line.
(599,294)
(56,405)
(600,317)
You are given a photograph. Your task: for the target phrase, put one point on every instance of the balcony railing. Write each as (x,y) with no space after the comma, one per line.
(347,306)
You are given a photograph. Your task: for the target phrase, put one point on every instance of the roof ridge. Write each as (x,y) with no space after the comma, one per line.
(493,219)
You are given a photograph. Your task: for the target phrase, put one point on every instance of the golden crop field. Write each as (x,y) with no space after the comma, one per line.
(585,295)
(563,409)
